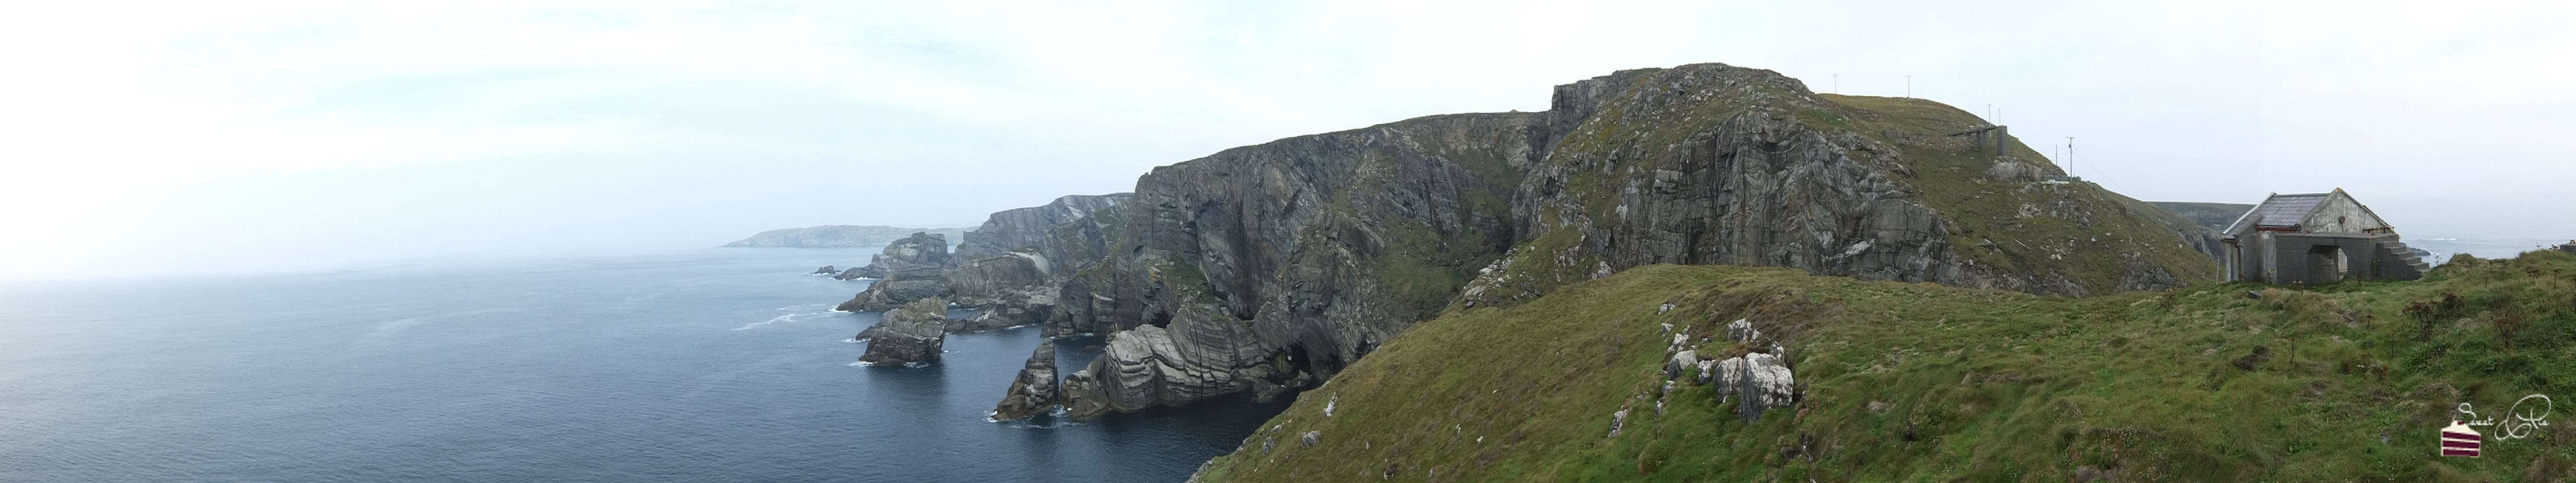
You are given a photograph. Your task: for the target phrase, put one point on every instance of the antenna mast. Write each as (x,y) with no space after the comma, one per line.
(2070,156)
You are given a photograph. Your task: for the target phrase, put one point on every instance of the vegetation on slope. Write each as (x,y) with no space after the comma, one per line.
(2214,216)
(2028,227)
(1917,382)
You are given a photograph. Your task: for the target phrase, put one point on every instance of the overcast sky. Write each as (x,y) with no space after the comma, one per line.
(239,136)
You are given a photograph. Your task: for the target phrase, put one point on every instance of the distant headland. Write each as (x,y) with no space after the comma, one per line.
(837,236)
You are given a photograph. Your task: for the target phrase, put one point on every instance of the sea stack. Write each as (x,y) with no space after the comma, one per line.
(909,335)
(1035,390)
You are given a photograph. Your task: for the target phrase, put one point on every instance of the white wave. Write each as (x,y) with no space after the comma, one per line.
(388,329)
(772,320)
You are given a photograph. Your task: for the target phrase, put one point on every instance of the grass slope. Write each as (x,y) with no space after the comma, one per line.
(1916,382)
(2214,216)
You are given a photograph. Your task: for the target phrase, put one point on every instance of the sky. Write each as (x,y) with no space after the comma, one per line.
(188,137)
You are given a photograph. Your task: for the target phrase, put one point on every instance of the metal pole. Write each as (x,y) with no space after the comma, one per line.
(2070,156)
(1909,86)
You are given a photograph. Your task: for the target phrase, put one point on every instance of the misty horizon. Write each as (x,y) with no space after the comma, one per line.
(291,137)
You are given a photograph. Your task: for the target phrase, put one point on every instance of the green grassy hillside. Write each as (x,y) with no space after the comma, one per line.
(1917,382)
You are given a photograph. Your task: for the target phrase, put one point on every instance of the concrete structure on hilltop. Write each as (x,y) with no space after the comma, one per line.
(2316,238)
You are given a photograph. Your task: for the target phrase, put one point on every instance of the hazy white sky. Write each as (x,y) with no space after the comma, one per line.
(237,136)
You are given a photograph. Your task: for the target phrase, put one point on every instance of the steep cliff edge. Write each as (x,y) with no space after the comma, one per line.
(1020,228)
(1284,262)
(1295,256)
(1712,164)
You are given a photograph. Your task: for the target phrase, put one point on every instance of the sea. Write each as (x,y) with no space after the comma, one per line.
(691,365)
(2444,247)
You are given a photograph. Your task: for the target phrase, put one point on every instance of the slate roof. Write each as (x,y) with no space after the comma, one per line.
(2279,211)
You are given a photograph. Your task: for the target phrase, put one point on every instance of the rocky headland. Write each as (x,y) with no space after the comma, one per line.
(1268,268)
(834,236)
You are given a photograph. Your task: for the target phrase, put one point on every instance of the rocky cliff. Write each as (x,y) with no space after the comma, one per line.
(1034,391)
(1020,228)
(1712,164)
(911,335)
(922,249)
(835,236)
(1265,264)
(1260,263)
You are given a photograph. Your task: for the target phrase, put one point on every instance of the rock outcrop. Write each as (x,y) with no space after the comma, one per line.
(1763,382)
(923,249)
(826,270)
(901,287)
(1020,228)
(911,335)
(1034,392)
(1151,366)
(1298,255)
(1712,164)
(854,273)
(1262,267)
(834,236)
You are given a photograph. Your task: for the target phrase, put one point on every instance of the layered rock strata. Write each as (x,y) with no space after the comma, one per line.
(1034,391)
(1258,267)
(911,335)
(922,249)
(1020,228)
(901,287)
(1255,264)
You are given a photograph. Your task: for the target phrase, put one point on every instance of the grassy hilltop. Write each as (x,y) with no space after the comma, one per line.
(1918,382)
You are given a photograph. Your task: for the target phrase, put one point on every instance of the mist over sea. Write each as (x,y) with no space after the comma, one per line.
(2444,246)
(696,365)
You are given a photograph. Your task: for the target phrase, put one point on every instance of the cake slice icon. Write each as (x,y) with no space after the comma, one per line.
(2459,440)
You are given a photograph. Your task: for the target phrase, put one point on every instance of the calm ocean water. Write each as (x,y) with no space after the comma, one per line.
(704,365)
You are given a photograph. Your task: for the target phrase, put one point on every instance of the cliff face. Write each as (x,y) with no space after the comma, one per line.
(1711,164)
(1263,265)
(1301,254)
(1026,227)
(835,236)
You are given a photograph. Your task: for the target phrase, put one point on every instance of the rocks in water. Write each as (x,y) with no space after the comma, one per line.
(826,270)
(922,249)
(1034,392)
(1149,366)
(910,335)
(854,273)
(899,288)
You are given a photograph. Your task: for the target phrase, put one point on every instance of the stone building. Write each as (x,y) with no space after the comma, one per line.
(2316,238)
